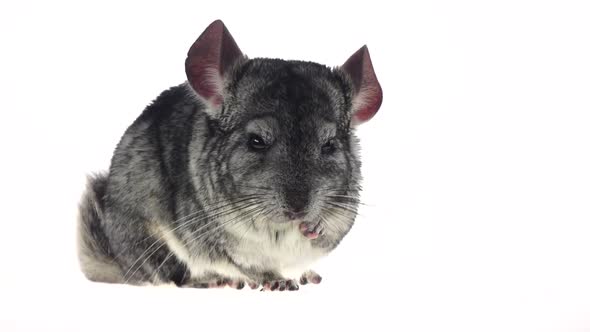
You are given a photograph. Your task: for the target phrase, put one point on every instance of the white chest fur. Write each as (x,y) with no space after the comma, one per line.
(289,253)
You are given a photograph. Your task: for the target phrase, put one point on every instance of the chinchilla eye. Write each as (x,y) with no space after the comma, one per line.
(256,143)
(329,147)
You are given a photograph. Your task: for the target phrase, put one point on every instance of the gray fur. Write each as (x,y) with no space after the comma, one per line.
(186,200)
(96,258)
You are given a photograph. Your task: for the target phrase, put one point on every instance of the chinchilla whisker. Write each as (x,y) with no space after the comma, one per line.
(335,211)
(218,214)
(161,264)
(344,201)
(191,219)
(344,206)
(216,205)
(125,277)
(227,222)
(353,206)
(232,208)
(221,210)
(339,189)
(266,215)
(208,232)
(213,207)
(347,198)
(182,225)
(222,225)
(339,221)
(350,199)
(268,212)
(344,196)
(330,226)
(339,218)
(253,187)
(248,228)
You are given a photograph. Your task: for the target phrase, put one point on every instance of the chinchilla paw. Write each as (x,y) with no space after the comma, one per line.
(280,285)
(310,276)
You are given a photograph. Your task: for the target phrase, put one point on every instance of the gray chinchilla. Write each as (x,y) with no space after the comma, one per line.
(245,174)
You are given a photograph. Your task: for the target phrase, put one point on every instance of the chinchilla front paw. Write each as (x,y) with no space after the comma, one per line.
(280,285)
(311,230)
(310,276)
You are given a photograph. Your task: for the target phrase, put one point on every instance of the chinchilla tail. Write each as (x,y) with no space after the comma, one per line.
(94,253)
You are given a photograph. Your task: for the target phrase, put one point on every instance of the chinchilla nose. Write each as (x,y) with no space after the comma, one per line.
(297,201)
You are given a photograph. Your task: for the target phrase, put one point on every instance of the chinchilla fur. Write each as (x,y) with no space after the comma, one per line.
(245,174)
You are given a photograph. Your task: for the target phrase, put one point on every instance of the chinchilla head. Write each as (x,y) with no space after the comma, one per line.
(284,130)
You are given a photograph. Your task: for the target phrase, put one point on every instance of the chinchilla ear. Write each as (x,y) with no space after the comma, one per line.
(367,93)
(208,61)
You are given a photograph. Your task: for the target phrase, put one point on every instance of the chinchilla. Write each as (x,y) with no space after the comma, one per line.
(247,173)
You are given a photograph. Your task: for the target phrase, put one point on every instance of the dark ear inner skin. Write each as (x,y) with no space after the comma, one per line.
(360,70)
(211,54)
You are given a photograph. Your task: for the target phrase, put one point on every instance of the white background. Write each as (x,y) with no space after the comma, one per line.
(477,167)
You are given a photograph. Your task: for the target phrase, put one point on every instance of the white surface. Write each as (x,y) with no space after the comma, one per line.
(477,166)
